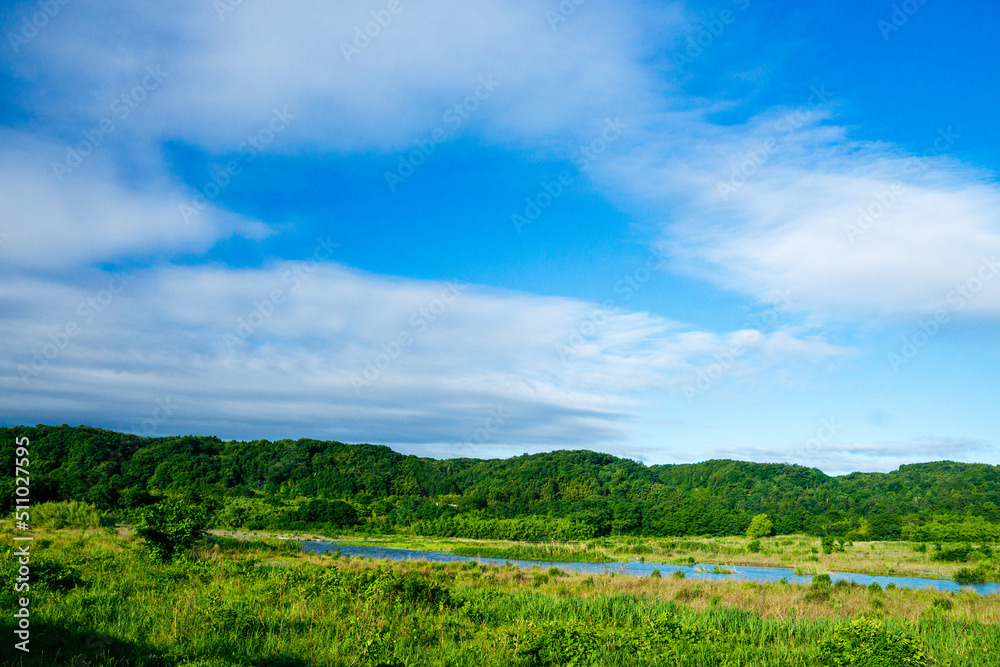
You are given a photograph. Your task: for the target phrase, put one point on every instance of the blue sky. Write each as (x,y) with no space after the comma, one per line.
(669,231)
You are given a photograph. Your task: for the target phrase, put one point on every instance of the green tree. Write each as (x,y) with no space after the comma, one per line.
(170,527)
(760,526)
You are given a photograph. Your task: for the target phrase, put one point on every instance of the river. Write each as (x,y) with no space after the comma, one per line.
(638,569)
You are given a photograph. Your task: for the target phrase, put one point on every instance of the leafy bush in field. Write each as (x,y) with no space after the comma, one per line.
(553,643)
(954,555)
(170,527)
(944,604)
(754,546)
(869,643)
(819,589)
(72,514)
(968,576)
(760,526)
(821,581)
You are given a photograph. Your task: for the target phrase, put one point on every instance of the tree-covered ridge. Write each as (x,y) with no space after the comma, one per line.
(555,495)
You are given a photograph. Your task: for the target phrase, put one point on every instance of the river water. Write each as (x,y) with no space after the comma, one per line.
(637,569)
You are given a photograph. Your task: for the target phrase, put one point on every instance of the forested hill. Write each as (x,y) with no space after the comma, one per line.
(557,495)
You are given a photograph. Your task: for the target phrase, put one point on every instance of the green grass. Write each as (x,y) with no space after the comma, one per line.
(101,601)
(543,552)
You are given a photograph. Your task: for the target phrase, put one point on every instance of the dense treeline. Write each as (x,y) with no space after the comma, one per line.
(564,495)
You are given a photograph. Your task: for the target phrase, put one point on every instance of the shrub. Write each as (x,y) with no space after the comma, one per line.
(754,546)
(760,526)
(678,574)
(819,590)
(655,573)
(553,643)
(955,555)
(874,587)
(944,604)
(967,576)
(170,527)
(868,643)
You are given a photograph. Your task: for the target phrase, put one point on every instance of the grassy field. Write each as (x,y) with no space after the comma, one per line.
(799,552)
(98,599)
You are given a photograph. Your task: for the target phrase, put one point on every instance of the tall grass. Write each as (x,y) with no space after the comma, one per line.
(99,601)
(72,514)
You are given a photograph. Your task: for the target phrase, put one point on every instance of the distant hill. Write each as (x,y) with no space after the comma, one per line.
(556,495)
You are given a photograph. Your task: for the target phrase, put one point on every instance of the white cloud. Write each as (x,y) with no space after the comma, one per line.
(856,230)
(91,216)
(339,354)
(225,77)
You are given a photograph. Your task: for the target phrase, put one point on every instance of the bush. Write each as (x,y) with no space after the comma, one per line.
(967,576)
(819,590)
(868,643)
(760,526)
(170,527)
(678,574)
(655,574)
(956,555)
(874,587)
(553,643)
(944,604)
(754,546)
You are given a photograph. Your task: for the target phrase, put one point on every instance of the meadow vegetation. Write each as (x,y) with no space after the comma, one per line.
(103,597)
